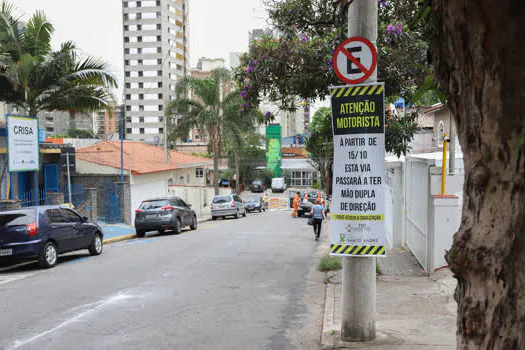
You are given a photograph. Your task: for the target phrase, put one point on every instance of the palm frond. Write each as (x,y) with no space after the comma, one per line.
(37,36)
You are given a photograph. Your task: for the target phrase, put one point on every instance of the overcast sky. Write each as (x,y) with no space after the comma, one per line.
(217,27)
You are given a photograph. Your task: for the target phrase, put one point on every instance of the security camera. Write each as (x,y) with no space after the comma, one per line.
(446,139)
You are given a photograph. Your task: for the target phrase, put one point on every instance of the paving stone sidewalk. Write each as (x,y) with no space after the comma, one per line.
(414,311)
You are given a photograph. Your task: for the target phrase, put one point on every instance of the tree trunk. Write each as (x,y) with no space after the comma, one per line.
(237,170)
(478,56)
(216,155)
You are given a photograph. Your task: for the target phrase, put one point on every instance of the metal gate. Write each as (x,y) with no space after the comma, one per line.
(417,194)
(112,207)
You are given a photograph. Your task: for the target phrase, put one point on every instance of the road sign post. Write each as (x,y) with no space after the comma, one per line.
(355,62)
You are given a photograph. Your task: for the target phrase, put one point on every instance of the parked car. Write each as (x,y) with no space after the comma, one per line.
(224,183)
(164,214)
(254,203)
(257,186)
(227,205)
(278,184)
(306,206)
(44,232)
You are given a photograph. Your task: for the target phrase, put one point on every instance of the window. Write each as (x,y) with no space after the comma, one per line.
(128,74)
(158,38)
(161,130)
(141,73)
(159,26)
(128,108)
(126,27)
(141,130)
(126,51)
(141,119)
(159,73)
(50,129)
(128,96)
(139,27)
(141,85)
(69,216)
(53,215)
(141,96)
(126,62)
(159,49)
(141,108)
(199,172)
(128,131)
(126,39)
(160,96)
(161,107)
(159,84)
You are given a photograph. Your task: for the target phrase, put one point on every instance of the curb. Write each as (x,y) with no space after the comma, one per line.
(133,235)
(119,238)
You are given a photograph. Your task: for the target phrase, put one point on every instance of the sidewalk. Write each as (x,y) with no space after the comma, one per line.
(414,311)
(120,232)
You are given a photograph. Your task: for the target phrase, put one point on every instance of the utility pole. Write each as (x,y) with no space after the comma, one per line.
(121,134)
(68,179)
(359,273)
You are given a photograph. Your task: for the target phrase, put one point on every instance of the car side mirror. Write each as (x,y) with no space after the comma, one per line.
(85,219)
(189,205)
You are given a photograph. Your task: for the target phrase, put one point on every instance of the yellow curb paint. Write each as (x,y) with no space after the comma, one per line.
(119,238)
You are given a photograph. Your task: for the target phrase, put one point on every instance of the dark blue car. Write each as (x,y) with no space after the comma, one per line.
(44,232)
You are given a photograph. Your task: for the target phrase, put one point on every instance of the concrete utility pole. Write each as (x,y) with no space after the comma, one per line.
(359,273)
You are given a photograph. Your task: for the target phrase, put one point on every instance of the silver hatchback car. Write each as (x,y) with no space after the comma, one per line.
(227,205)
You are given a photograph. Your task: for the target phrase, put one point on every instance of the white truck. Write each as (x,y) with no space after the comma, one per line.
(278,184)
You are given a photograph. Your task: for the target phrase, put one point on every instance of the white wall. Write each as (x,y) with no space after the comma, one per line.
(146,187)
(198,196)
(85,167)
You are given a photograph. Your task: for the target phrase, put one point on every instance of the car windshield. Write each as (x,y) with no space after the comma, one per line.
(257,182)
(222,199)
(154,204)
(17,218)
(252,199)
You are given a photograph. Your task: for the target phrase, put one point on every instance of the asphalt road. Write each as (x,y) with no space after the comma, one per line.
(249,283)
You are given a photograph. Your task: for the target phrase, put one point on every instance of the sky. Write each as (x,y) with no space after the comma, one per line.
(217,27)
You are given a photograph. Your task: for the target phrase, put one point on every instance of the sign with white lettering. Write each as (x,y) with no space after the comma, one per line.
(358,201)
(22,144)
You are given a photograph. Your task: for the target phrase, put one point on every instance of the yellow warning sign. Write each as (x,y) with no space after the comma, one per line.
(364,250)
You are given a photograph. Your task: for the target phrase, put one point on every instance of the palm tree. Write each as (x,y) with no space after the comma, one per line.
(36,78)
(204,110)
(237,126)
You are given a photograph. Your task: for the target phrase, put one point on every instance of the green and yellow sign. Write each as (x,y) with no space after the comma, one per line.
(273,149)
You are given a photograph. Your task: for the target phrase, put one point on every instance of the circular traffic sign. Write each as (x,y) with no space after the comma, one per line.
(355,60)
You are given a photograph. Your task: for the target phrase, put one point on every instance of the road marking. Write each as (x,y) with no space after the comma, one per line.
(12,278)
(111,300)
(12,267)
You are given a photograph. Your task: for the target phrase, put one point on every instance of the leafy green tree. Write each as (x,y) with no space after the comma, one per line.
(320,144)
(35,78)
(203,109)
(298,61)
(247,156)
(79,133)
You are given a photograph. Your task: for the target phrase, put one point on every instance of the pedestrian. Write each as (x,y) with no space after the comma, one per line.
(266,199)
(318,216)
(295,204)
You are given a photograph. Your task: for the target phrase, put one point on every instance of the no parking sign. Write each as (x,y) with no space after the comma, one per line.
(355,60)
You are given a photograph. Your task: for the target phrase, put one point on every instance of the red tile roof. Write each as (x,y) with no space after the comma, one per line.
(141,158)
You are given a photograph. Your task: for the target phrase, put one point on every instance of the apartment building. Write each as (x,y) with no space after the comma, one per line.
(155,57)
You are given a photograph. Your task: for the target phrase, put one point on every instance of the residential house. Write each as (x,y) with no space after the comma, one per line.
(147,170)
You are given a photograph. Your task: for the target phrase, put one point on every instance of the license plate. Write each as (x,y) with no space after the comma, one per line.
(151,216)
(6,252)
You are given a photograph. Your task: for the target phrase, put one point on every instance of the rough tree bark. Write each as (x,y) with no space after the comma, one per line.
(479,59)
(237,171)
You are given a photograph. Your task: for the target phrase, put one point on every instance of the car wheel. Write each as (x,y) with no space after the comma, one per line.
(236,215)
(97,245)
(140,233)
(193,225)
(161,231)
(176,227)
(214,218)
(244,214)
(48,256)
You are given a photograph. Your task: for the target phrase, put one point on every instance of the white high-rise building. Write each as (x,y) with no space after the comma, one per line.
(155,57)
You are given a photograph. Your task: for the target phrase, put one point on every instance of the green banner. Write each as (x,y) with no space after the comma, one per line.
(273,150)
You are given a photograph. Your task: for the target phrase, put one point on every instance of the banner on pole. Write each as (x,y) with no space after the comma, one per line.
(358,209)
(22,144)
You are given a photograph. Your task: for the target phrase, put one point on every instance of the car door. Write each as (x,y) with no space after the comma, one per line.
(188,214)
(60,230)
(81,233)
(238,203)
(181,210)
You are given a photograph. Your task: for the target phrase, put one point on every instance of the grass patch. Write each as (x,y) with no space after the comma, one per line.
(378,269)
(329,263)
